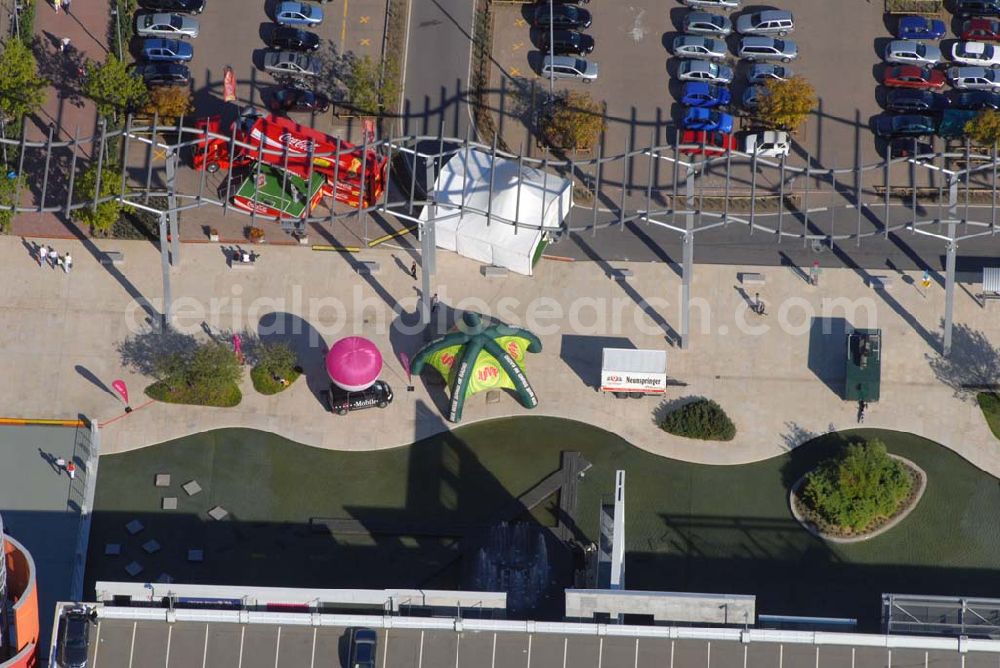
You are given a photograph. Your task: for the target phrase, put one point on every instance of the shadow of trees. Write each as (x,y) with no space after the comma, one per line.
(974,362)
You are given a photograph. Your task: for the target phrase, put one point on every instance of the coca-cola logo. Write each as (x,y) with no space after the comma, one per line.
(290,140)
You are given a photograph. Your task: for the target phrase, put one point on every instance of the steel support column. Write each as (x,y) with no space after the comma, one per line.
(175,233)
(949,290)
(165,266)
(688,260)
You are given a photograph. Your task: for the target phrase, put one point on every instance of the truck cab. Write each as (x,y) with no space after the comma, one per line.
(342,402)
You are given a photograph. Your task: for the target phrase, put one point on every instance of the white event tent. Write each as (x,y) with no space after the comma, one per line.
(538,201)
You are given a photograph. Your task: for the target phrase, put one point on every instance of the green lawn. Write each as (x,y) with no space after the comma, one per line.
(989,403)
(689,527)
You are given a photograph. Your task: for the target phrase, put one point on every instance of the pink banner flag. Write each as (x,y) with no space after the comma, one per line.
(119,387)
(238,347)
(229,85)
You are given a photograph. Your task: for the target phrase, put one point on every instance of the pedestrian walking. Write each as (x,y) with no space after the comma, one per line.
(67,262)
(53,258)
(71,470)
(64,44)
(413,270)
(55,4)
(65,4)
(60,464)
(40,253)
(434,303)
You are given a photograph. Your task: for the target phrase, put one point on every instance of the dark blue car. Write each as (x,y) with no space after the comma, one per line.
(975,100)
(701,94)
(907,125)
(910,100)
(699,118)
(919,27)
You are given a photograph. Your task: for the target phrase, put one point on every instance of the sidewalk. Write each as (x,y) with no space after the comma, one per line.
(780,386)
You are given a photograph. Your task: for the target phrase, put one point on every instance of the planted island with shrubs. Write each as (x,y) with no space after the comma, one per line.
(702,419)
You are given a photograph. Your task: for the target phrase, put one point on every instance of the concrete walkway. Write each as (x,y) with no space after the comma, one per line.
(779,382)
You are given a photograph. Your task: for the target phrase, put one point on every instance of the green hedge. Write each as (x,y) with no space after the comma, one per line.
(178,393)
(914,6)
(264,382)
(989,403)
(702,419)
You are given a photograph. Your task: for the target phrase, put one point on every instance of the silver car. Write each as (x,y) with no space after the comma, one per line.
(909,52)
(298,14)
(703,23)
(975,54)
(765,48)
(165,25)
(764,72)
(766,22)
(695,46)
(568,67)
(713,4)
(290,62)
(974,78)
(700,70)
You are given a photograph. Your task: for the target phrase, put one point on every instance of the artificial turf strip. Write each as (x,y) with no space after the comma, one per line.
(989,403)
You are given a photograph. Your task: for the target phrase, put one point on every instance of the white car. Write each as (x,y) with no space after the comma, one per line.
(909,52)
(721,4)
(974,78)
(767,144)
(976,53)
(696,46)
(702,70)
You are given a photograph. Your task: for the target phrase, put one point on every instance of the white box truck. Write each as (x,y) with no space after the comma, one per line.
(629,372)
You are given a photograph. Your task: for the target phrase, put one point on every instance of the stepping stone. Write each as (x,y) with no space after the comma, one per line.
(151,546)
(165,578)
(112,549)
(170,503)
(218,513)
(191,487)
(133,568)
(196,555)
(134,527)
(163,480)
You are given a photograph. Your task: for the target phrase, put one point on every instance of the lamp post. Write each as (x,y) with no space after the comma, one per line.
(552,51)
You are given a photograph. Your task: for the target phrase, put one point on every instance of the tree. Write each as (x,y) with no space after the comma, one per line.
(8,187)
(702,419)
(113,88)
(985,127)
(362,85)
(22,91)
(170,102)
(786,103)
(858,486)
(206,375)
(107,213)
(275,367)
(573,121)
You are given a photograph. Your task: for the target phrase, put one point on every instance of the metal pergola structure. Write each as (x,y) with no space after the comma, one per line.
(941,615)
(675,205)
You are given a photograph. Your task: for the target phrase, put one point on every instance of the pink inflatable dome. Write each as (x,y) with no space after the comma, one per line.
(353,363)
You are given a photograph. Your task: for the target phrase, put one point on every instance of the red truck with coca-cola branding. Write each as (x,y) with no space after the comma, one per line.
(353,175)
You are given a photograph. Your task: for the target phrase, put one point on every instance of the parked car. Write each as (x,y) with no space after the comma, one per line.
(713,4)
(920,27)
(292,99)
(290,62)
(696,46)
(907,124)
(975,100)
(911,76)
(764,48)
(908,52)
(751,97)
(157,49)
(767,144)
(711,120)
(976,78)
(702,70)
(363,646)
(569,67)
(701,94)
(975,53)
(562,16)
(73,637)
(182,6)
(766,22)
(341,401)
(905,147)
(165,25)
(911,100)
(293,39)
(765,71)
(567,43)
(699,142)
(981,30)
(703,23)
(963,8)
(163,74)
(298,14)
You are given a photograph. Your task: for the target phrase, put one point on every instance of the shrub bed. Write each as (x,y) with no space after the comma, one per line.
(274,363)
(175,393)
(702,419)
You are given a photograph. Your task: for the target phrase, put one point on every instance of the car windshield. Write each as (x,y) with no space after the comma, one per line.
(920,50)
(306,10)
(302,61)
(176,21)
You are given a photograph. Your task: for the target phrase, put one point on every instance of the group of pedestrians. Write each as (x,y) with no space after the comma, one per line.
(45,255)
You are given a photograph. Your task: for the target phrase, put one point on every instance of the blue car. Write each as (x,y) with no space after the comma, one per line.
(701,94)
(699,118)
(166,50)
(751,97)
(910,125)
(918,27)
(915,101)
(975,100)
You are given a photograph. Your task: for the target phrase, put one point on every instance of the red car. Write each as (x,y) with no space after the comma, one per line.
(911,76)
(981,29)
(714,143)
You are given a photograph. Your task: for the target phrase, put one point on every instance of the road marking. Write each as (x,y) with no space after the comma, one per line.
(420,659)
(170,634)
(243,631)
(493,661)
(600,653)
(636,663)
(131,647)
(781,656)
(204,652)
(514,72)
(458,643)
(672,654)
(312,660)
(565,649)
(343,24)
(516,46)
(277,648)
(364,19)
(708,654)
(97,643)
(529,650)
(385,654)
(520,23)
(366,41)
(159,154)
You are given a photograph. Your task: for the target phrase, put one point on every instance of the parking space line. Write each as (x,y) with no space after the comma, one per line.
(170,635)
(277,648)
(708,654)
(420,658)
(493,661)
(312,660)
(672,655)
(529,650)
(600,653)
(97,643)
(204,651)
(458,643)
(343,26)
(243,631)
(565,649)
(385,654)
(131,647)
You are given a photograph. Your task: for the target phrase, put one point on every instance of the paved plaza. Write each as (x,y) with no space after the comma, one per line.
(779,382)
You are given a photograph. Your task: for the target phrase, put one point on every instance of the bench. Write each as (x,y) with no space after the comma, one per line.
(620,274)
(991,284)
(880,282)
(368,268)
(752,278)
(493,271)
(112,258)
